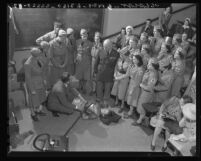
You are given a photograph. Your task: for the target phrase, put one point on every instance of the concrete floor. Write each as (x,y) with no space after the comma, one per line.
(88,135)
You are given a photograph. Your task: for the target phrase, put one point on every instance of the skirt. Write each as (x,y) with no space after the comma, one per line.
(133,94)
(120,88)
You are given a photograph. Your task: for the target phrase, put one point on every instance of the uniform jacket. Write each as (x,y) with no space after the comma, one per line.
(84,49)
(149,30)
(58,53)
(34,74)
(71,46)
(62,95)
(164,19)
(105,65)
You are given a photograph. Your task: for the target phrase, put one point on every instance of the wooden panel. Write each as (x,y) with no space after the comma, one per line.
(33,23)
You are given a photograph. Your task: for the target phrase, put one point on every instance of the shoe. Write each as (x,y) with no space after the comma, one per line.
(120,110)
(135,123)
(34,118)
(41,113)
(55,114)
(164,148)
(105,119)
(153,147)
(114,117)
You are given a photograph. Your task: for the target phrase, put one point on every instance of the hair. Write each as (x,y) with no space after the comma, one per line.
(123,28)
(168,47)
(156,66)
(58,22)
(148,19)
(187,99)
(171,9)
(65,77)
(179,40)
(140,61)
(169,66)
(181,55)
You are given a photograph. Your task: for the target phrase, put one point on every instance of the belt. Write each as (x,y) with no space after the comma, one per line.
(146,90)
(160,91)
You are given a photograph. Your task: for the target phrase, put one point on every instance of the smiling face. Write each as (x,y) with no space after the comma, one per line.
(143,37)
(132,44)
(135,61)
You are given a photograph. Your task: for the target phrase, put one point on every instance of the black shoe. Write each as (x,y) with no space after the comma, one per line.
(164,148)
(55,114)
(41,113)
(135,123)
(105,119)
(114,117)
(34,117)
(153,147)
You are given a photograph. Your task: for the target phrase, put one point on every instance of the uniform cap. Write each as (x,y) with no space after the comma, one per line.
(83,32)
(69,31)
(62,33)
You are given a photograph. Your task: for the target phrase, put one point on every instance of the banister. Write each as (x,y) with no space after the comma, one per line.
(154,19)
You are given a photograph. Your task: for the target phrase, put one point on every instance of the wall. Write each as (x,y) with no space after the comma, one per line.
(35,22)
(116,18)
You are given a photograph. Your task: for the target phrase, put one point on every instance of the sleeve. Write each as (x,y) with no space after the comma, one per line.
(51,53)
(138,78)
(45,37)
(27,69)
(97,61)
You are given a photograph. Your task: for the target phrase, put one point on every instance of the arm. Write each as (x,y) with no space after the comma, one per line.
(62,98)
(124,75)
(165,84)
(51,52)
(97,61)
(45,37)
(151,83)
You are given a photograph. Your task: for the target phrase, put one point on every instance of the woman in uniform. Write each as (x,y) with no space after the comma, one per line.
(135,72)
(121,81)
(178,66)
(162,89)
(34,78)
(156,41)
(58,57)
(149,80)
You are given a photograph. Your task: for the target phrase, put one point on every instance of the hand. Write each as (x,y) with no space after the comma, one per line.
(45,82)
(33,92)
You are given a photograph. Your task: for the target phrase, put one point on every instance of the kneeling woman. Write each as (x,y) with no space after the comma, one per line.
(147,89)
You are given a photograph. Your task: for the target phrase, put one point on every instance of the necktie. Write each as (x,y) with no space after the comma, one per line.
(39,63)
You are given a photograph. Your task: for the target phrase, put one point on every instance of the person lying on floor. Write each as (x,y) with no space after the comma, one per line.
(170,114)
